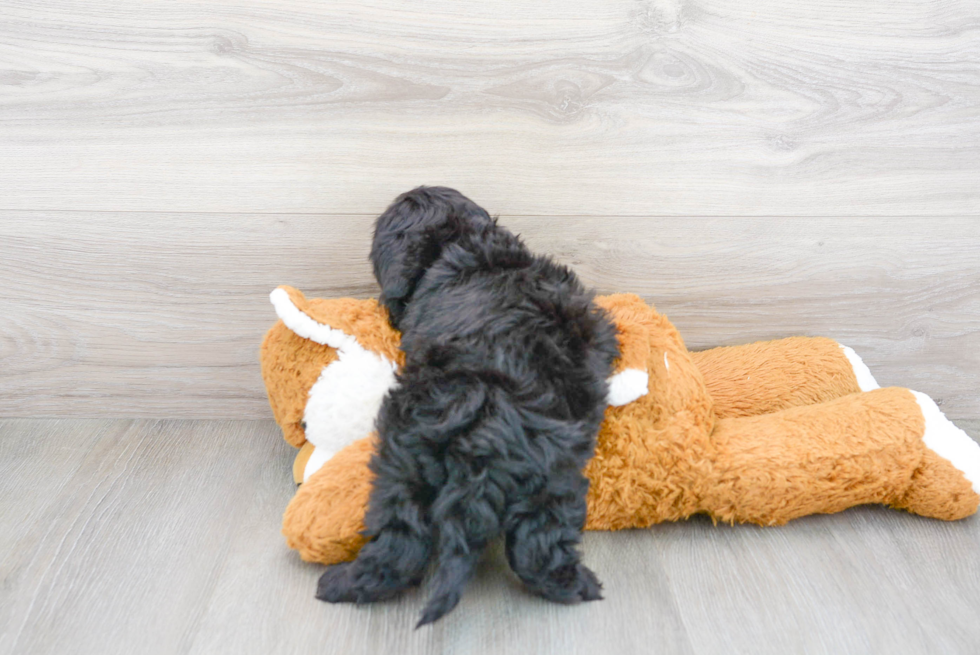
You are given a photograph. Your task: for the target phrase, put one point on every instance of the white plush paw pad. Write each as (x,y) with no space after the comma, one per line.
(627,385)
(865,380)
(950,442)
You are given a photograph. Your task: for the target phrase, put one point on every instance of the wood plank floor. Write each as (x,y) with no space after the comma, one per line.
(143,536)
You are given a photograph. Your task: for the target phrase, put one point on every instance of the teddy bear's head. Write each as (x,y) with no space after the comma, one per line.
(327,364)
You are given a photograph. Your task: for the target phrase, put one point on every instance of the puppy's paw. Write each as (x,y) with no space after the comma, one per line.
(350,582)
(570,584)
(336,585)
(589,587)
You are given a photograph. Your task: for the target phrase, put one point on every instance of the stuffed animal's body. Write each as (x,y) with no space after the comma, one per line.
(761,433)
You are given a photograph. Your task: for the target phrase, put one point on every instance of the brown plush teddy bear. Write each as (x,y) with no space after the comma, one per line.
(760,433)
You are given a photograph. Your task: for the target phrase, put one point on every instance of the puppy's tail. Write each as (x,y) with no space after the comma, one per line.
(476,430)
(451,576)
(465,515)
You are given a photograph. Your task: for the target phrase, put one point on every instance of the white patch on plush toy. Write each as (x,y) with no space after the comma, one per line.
(344,402)
(626,386)
(866,381)
(950,442)
(318,458)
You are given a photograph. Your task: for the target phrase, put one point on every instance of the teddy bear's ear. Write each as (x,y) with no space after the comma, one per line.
(341,323)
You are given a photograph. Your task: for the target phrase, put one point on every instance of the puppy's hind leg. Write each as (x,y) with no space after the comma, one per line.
(397,555)
(542,535)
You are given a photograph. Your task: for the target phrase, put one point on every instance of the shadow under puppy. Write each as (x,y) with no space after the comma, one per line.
(494,414)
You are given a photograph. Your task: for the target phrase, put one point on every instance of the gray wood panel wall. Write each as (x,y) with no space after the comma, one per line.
(639,107)
(756,169)
(157,315)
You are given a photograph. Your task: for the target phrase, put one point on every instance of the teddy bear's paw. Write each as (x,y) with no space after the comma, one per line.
(949,441)
(946,482)
(628,385)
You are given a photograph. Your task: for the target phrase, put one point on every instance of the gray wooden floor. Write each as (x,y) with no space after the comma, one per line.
(163,536)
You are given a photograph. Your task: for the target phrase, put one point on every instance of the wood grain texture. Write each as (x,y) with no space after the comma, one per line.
(163,537)
(126,553)
(619,107)
(161,315)
(757,169)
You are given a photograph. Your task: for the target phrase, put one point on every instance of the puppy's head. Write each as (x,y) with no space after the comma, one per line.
(327,364)
(410,236)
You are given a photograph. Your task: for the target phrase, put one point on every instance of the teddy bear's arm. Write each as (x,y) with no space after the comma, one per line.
(769,376)
(324,520)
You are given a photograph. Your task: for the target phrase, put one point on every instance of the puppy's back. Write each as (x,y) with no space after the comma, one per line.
(494,415)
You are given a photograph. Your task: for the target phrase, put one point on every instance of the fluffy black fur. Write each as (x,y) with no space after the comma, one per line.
(494,416)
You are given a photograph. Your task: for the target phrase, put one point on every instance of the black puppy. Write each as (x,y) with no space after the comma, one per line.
(494,416)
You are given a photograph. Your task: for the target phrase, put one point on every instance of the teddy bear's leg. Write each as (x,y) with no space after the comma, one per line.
(769,376)
(889,446)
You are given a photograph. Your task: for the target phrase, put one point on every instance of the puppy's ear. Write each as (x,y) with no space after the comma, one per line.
(410,235)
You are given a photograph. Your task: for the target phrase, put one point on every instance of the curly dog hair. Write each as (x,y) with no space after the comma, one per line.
(495,412)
